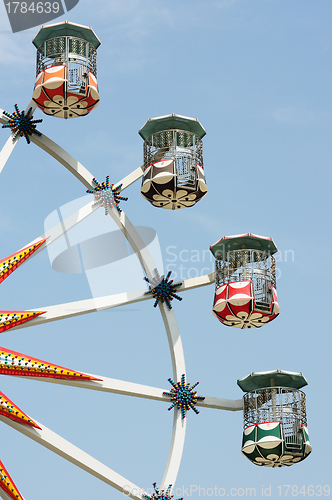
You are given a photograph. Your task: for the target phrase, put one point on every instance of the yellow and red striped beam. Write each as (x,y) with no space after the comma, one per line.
(10,319)
(8,409)
(8,485)
(16,363)
(9,264)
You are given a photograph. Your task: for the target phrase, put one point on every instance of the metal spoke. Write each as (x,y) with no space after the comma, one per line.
(115,386)
(71,309)
(75,455)
(11,143)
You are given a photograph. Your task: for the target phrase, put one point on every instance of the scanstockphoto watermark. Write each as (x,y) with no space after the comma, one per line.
(185,263)
(25,15)
(195,491)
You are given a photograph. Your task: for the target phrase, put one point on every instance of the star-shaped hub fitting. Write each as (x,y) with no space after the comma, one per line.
(160,494)
(163,290)
(183,396)
(21,124)
(107,195)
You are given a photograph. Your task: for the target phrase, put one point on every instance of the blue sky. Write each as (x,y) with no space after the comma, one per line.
(257,74)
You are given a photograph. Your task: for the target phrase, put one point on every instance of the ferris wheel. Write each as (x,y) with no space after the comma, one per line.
(275,427)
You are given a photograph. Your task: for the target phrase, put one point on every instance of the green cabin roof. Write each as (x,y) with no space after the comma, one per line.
(243,241)
(275,378)
(66,29)
(173,121)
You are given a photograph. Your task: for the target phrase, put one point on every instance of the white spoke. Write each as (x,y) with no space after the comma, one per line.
(189,284)
(115,386)
(221,404)
(68,161)
(74,166)
(107,384)
(70,309)
(64,226)
(11,143)
(75,455)
(131,178)
(33,107)
(7,149)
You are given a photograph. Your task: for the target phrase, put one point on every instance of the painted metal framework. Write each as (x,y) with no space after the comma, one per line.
(185,147)
(45,436)
(68,50)
(248,264)
(275,403)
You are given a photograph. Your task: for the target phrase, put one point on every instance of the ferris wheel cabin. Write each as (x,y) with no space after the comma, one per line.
(275,430)
(173,175)
(245,281)
(66,83)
